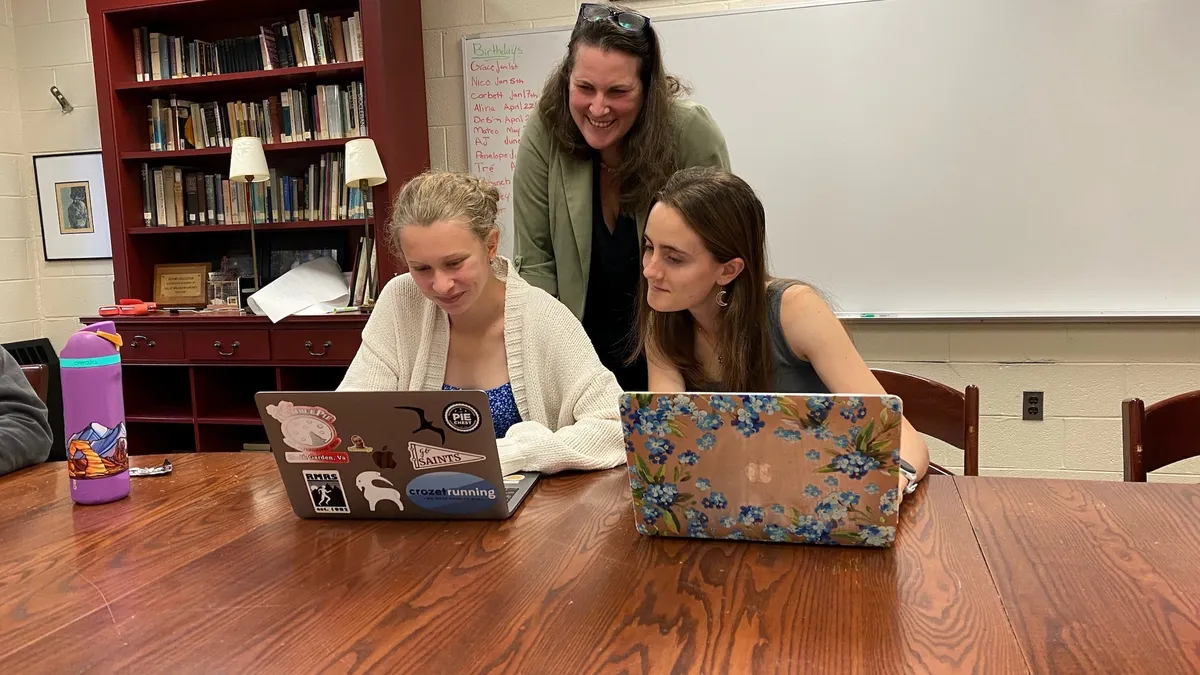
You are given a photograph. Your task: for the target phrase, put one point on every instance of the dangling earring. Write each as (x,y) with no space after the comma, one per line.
(721,298)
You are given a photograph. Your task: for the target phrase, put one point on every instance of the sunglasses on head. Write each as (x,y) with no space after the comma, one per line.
(631,21)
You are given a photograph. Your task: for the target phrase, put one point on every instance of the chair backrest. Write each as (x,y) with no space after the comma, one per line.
(39,379)
(1159,434)
(940,411)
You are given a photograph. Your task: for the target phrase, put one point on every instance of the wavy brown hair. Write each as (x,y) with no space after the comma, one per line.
(726,214)
(648,156)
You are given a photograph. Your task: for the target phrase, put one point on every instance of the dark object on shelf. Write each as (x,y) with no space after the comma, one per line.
(41,352)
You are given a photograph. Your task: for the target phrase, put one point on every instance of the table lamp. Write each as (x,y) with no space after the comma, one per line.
(248,164)
(363,171)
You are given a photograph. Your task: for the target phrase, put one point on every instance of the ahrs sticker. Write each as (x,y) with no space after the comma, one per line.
(325,490)
(461,417)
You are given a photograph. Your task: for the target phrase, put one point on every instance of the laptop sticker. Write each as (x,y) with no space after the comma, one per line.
(317,457)
(375,488)
(758,473)
(384,459)
(357,444)
(461,417)
(306,428)
(514,478)
(424,424)
(452,492)
(325,490)
(432,457)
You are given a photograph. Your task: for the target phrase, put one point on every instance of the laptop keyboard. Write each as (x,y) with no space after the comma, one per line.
(509,492)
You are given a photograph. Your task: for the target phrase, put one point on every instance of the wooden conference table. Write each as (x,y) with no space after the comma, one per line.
(209,571)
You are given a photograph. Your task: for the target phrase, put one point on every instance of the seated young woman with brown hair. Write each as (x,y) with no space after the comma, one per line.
(710,318)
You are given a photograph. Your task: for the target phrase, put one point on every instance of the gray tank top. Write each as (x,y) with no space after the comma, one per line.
(790,374)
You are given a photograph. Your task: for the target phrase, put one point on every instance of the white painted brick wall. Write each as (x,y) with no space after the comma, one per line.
(50,45)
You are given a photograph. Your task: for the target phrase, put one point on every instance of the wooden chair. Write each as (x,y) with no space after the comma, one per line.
(1159,434)
(935,409)
(39,379)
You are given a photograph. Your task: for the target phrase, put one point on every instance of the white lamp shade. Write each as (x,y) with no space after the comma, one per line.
(362,163)
(248,163)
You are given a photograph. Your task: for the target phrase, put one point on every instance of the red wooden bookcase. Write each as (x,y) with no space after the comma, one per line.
(179,396)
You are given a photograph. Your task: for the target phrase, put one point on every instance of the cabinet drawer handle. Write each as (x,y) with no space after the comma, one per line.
(327,345)
(232,348)
(143,338)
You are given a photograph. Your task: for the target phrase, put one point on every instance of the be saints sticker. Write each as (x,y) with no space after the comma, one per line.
(325,490)
(461,417)
(430,456)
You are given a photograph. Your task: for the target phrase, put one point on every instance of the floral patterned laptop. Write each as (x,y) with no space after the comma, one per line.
(812,469)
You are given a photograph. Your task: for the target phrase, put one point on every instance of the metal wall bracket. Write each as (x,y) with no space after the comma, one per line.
(62,100)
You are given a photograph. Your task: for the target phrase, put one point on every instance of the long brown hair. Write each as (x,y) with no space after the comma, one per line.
(726,214)
(648,156)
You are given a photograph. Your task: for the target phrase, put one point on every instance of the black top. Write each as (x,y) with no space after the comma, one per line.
(611,305)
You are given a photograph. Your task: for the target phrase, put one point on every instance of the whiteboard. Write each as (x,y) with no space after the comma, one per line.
(933,158)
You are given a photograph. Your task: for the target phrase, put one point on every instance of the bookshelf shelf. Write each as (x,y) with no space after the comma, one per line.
(171,155)
(179,396)
(260,227)
(259,78)
(160,419)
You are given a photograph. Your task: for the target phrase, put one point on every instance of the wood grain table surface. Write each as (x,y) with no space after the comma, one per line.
(1096,577)
(208,570)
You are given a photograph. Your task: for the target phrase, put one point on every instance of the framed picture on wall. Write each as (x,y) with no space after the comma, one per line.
(72,206)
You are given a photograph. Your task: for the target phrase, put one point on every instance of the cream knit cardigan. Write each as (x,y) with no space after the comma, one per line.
(567,399)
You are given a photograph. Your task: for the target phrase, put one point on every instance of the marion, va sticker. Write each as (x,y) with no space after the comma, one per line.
(317,457)
(431,457)
(307,428)
(451,492)
(325,491)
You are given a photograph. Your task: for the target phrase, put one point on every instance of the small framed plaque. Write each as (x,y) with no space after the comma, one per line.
(182,285)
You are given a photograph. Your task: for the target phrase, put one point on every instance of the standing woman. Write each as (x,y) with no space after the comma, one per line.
(610,129)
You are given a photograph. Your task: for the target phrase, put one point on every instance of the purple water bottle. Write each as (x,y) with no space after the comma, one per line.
(94,415)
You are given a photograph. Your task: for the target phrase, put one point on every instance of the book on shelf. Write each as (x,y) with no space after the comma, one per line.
(312,39)
(176,196)
(304,113)
(364,279)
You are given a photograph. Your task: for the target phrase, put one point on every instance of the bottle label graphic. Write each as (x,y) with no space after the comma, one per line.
(97,452)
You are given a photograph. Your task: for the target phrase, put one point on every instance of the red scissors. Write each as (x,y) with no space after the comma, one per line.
(128,307)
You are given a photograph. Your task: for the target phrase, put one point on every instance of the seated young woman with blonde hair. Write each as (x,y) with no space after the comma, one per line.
(710,318)
(461,319)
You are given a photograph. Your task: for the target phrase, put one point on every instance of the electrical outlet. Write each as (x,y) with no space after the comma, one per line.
(1032,405)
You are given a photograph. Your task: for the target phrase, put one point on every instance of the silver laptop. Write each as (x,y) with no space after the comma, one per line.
(403,455)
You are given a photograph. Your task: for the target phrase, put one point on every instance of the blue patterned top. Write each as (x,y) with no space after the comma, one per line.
(502,404)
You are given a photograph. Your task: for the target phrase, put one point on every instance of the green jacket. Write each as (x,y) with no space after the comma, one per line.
(552,202)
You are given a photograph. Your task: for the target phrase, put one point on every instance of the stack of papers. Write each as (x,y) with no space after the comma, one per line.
(316,287)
